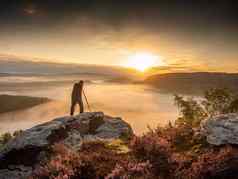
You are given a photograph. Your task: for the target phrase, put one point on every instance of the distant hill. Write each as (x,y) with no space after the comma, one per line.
(193,83)
(11,102)
(15,66)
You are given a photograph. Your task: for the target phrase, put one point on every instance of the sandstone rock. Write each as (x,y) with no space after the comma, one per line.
(107,130)
(222,129)
(27,149)
(14,174)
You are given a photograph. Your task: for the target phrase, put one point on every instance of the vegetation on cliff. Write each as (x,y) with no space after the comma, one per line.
(175,151)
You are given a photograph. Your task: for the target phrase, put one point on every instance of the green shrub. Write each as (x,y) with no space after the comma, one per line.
(17,133)
(192,112)
(214,102)
(4,138)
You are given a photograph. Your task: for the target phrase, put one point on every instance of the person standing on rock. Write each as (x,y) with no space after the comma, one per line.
(76,97)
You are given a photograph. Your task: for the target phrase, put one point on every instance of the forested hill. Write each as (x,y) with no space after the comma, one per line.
(12,102)
(193,83)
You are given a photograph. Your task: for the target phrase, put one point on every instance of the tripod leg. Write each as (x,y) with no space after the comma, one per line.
(86,101)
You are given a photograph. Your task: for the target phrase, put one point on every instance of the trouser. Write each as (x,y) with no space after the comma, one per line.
(74,103)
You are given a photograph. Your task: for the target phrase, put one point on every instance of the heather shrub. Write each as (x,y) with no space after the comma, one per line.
(180,138)
(170,150)
(131,170)
(103,159)
(63,164)
(217,163)
(155,149)
(94,160)
(184,138)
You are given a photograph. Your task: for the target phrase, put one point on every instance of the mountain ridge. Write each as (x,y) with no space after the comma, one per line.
(21,66)
(193,82)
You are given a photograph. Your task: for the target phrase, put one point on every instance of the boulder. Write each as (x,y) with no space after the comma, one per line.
(222,129)
(106,130)
(26,150)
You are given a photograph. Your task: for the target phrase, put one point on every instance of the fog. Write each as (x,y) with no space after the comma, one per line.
(140,105)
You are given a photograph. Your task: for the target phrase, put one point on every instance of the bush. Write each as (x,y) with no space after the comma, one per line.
(216,163)
(4,138)
(153,148)
(214,102)
(17,133)
(131,170)
(93,160)
(217,101)
(184,138)
(170,150)
(103,158)
(191,110)
(60,165)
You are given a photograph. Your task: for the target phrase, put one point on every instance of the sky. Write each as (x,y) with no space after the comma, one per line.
(187,35)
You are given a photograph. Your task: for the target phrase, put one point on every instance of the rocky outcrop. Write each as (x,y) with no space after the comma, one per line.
(222,129)
(19,155)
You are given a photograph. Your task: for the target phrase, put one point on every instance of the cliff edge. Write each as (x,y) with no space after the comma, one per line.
(19,156)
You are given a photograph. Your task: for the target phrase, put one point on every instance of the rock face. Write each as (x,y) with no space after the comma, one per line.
(222,129)
(19,155)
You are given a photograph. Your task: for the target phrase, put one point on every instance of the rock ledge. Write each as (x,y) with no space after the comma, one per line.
(222,129)
(19,155)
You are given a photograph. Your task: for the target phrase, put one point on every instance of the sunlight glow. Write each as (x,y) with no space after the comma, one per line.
(143,61)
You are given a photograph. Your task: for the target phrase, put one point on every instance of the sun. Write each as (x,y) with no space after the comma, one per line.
(143,61)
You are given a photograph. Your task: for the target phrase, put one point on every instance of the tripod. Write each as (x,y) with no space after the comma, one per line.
(89,108)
